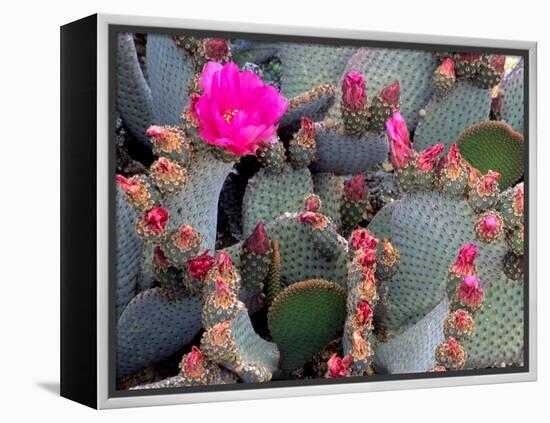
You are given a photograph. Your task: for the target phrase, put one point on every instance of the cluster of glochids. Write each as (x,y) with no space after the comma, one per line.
(485,71)
(358,114)
(372,263)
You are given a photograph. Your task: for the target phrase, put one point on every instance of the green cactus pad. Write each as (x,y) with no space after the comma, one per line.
(169,69)
(313,104)
(134,100)
(246,51)
(428,229)
(129,250)
(413,350)
(329,188)
(412,68)
(197,203)
(380,225)
(494,146)
(344,155)
(154,326)
(498,338)
(304,318)
(446,117)
(268,196)
(512,91)
(305,66)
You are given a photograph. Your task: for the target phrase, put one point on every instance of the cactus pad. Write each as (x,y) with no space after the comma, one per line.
(304,318)
(329,188)
(512,93)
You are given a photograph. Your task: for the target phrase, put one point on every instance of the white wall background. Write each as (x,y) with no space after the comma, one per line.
(29,211)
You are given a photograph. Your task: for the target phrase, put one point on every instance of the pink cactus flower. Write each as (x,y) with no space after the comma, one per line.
(401,151)
(200,266)
(193,363)
(391,94)
(490,225)
(362,239)
(159,258)
(215,48)
(156,219)
(465,262)
(488,184)
(428,158)
(258,241)
(312,203)
(354,93)
(518,199)
(307,128)
(355,189)
(469,292)
(223,262)
(237,111)
(447,67)
(338,367)
(363,315)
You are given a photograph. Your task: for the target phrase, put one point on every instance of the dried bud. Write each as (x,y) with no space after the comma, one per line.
(451,353)
(354,93)
(223,262)
(338,367)
(497,62)
(517,202)
(390,94)
(156,219)
(312,203)
(447,68)
(362,239)
(159,259)
(316,220)
(363,315)
(429,157)
(454,165)
(470,293)
(186,237)
(355,189)
(307,128)
(401,152)
(366,259)
(258,242)
(215,48)
(164,140)
(360,348)
(462,322)
(488,184)
(200,265)
(465,262)
(192,110)
(192,364)
(489,226)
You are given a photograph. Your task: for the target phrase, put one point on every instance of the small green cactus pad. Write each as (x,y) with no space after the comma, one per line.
(305,66)
(446,117)
(197,203)
(300,260)
(128,249)
(413,350)
(511,90)
(134,100)
(268,195)
(154,326)
(494,146)
(428,229)
(247,51)
(329,188)
(169,69)
(346,155)
(412,68)
(304,318)
(498,337)
(380,225)
(312,104)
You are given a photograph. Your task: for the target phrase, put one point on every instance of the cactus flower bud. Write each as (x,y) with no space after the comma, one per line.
(137,191)
(360,348)
(307,128)
(159,259)
(131,187)
(366,259)
(258,242)
(157,132)
(192,108)
(462,321)
(362,239)
(367,289)
(192,364)
(312,203)
(215,48)
(316,220)
(451,354)
(156,219)
(489,226)
(428,158)
(488,184)
(355,189)
(454,165)
(338,367)
(390,94)
(447,67)
(401,152)
(164,139)
(363,315)
(517,203)
(354,93)
(465,262)
(497,62)
(221,288)
(470,293)
(186,237)
(201,265)
(223,262)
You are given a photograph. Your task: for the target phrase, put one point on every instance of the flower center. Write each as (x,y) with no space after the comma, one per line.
(229,115)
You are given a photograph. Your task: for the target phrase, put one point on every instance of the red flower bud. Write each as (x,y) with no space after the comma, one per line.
(156,219)
(200,265)
(338,367)
(401,151)
(465,262)
(391,94)
(469,292)
(307,128)
(488,184)
(223,262)
(447,67)
(363,315)
(258,241)
(192,364)
(428,158)
(362,239)
(354,93)
(356,189)
(216,48)
(312,203)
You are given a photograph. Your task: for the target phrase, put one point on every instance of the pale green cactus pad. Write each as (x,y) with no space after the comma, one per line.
(512,93)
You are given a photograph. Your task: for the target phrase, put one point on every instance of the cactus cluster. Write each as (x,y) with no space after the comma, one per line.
(375,202)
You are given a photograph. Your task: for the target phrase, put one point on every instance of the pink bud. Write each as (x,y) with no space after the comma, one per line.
(338,367)
(367,259)
(156,219)
(186,237)
(428,158)
(306,125)
(159,258)
(311,218)
(258,241)
(200,265)
(390,94)
(401,151)
(469,292)
(490,225)
(463,321)
(454,158)
(223,262)
(363,315)
(488,184)
(193,100)
(131,187)
(362,239)
(192,364)
(465,262)
(221,287)
(454,350)
(216,48)
(518,198)
(156,131)
(447,67)
(354,95)
(312,203)
(163,166)
(356,189)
